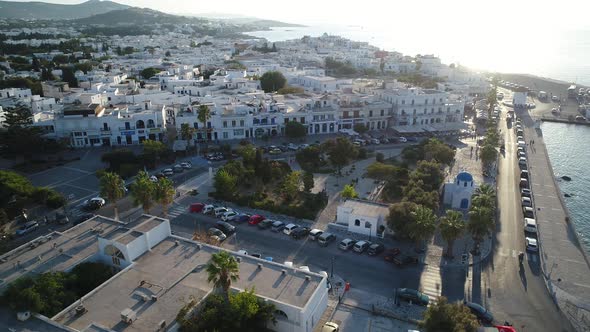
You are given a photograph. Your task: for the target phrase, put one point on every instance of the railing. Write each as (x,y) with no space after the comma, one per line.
(127,128)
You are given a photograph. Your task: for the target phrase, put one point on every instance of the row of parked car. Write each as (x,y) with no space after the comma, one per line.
(526,195)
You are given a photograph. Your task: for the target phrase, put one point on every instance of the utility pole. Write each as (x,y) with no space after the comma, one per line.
(332,270)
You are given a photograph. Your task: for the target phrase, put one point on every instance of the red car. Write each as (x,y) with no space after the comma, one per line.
(196,207)
(255,219)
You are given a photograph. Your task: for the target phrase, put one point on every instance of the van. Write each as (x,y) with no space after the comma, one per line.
(277,226)
(289,228)
(361,246)
(326,238)
(346,244)
(530,225)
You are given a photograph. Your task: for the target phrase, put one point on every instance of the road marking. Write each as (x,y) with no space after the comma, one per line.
(430,283)
(77,170)
(78,187)
(581,285)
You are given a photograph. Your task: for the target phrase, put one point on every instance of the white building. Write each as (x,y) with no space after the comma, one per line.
(363,217)
(457,194)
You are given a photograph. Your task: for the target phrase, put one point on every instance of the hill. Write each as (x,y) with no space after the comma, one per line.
(135,16)
(50,11)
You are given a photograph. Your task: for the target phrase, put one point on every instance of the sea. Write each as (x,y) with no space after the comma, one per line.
(556,54)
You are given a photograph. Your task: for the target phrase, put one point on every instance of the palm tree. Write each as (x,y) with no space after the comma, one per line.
(222,270)
(142,191)
(203,115)
(451,227)
(423,225)
(485,189)
(481,223)
(485,196)
(164,194)
(112,187)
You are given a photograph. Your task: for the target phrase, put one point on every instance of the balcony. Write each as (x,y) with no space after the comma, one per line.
(127,128)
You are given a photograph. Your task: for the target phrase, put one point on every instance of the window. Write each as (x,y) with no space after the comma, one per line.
(233,123)
(238,132)
(196,125)
(302,119)
(224,124)
(370,113)
(403,102)
(412,101)
(241,123)
(225,135)
(382,112)
(357,222)
(426,102)
(280,314)
(368,224)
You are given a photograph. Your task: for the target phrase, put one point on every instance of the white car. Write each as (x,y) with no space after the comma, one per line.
(292,147)
(530,225)
(220,211)
(216,234)
(168,172)
(522,161)
(531,244)
(521,154)
(403,140)
(208,209)
(289,228)
(229,216)
(153,178)
(186,165)
(526,201)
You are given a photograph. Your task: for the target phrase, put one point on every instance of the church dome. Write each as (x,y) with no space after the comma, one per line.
(464,177)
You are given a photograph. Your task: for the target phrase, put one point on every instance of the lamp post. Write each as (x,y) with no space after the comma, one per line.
(332,269)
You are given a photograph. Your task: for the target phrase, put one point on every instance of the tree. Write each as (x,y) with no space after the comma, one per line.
(485,190)
(149,73)
(164,194)
(274,47)
(112,187)
(340,152)
(222,270)
(348,192)
(153,148)
(272,81)
(67,75)
(287,90)
(225,183)
(360,128)
(481,223)
(186,131)
(424,224)
(430,174)
(19,116)
(436,150)
(414,192)
(400,216)
(203,114)
(308,182)
(379,157)
(167,54)
(19,137)
(142,191)
(46,75)
(291,185)
(452,317)
(295,130)
(451,227)
(488,154)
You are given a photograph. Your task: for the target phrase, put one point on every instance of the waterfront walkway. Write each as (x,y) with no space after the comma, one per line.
(564,263)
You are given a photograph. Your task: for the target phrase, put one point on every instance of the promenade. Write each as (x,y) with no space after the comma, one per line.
(564,264)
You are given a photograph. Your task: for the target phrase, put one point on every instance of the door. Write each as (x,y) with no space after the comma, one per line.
(464,203)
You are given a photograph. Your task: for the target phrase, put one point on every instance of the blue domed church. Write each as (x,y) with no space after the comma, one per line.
(457,194)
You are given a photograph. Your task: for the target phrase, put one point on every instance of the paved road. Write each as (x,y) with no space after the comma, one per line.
(513,293)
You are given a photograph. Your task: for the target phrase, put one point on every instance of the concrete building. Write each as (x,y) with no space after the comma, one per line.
(156,273)
(457,194)
(363,217)
(55,89)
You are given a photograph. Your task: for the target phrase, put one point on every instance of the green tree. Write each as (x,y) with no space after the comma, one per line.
(348,192)
(149,73)
(112,187)
(340,152)
(488,154)
(19,137)
(360,128)
(430,173)
(67,75)
(451,227)
(203,114)
(290,186)
(164,194)
(295,130)
(481,223)
(434,149)
(272,81)
(414,192)
(485,190)
(308,182)
(153,148)
(424,224)
(225,183)
(287,90)
(222,270)
(379,157)
(186,131)
(142,191)
(451,317)
(400,217)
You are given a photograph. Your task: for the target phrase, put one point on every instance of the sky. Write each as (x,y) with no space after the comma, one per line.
(461,16)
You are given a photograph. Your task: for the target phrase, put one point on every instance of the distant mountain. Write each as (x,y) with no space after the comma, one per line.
(135,16)
(50,11)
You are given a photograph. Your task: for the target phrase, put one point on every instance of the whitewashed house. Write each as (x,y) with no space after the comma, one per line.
(363,217)
(457,194)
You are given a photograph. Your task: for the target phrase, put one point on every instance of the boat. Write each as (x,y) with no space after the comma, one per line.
(566,178)
(567,195)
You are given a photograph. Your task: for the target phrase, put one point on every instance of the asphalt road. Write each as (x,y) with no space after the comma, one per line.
(514,293)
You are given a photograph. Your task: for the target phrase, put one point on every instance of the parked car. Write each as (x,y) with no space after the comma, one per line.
(208,209)
(61,218)
(243,217)
(229,215)
(265,224)
(292,147)
(361,246)
(178,169)
(275,151)
(255,219)
(528,212)
(480,312)
(525,192)
(531,244)
(330,327)
(220,211)
(299,232)
(216,234)
(168,172)
(326,238)
(530,225)
(403,140)
(225,227)
(404,259)
(346,244)
(93,204)
(289,228)
(186,165)
(314,234)
(82,218)
(526,201)
(522,161)
(375,249)
(277,226)
(413,295)
(524,183)
(391,253)
(29,227)
(524,174)
(196,207)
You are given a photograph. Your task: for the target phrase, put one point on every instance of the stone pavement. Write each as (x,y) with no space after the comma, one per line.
(564,262)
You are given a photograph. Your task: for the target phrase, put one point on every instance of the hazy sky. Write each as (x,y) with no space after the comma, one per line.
(464,17)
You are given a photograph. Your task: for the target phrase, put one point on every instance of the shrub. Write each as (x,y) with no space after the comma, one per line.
(379,157)
(55,200)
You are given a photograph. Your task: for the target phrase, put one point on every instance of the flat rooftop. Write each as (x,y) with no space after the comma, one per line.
(366,208)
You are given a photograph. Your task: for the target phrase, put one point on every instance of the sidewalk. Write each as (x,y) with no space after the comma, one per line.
(564,263)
